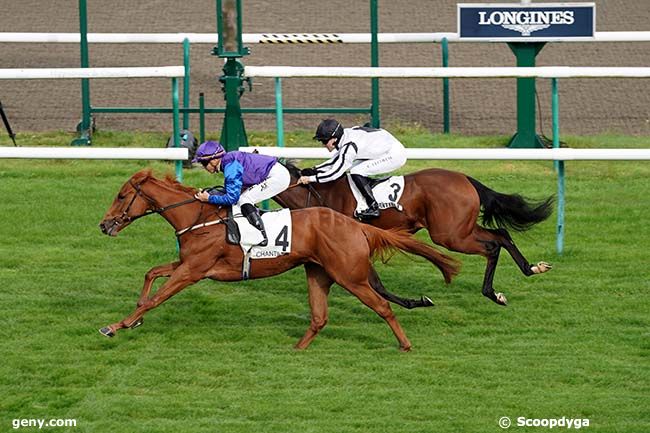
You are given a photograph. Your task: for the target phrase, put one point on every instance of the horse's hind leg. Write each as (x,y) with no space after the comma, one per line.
(375,282)
(492,250)
(488,242)
(379,305)
(319,287)
(526,267)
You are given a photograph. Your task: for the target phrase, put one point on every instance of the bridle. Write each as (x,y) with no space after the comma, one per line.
(154,208)
(160,210)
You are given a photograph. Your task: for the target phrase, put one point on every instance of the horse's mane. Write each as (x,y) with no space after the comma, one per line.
(294,170)
(169,180)
(172,182)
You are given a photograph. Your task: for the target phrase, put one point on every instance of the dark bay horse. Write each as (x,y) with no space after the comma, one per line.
(332,247)
(448,204)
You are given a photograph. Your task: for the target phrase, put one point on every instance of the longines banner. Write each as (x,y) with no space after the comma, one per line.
(531,22)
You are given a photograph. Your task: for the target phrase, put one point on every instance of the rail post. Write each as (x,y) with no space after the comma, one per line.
(85,125)
(559,165)
(186,83)
(526,137)
(445,87)
(374,61)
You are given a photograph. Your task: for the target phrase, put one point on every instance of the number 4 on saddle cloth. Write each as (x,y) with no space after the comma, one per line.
(278,230)
(387,192)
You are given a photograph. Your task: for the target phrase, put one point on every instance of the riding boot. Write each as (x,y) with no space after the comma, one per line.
(363,183)
(253,217)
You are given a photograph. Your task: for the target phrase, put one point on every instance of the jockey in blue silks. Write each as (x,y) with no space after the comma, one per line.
(249,178)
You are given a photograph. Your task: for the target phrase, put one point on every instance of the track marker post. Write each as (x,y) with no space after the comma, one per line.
(231,48)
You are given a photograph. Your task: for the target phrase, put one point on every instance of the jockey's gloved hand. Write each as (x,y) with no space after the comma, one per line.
(308,171)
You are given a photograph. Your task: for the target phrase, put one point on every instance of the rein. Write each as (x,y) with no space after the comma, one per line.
(310,190)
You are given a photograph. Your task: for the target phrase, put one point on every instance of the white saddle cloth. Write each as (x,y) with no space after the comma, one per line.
(387,193)
(278,230)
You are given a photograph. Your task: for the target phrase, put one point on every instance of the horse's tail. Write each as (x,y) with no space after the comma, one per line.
(510,210)
(383,241)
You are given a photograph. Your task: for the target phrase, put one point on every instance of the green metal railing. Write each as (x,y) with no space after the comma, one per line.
(86,124)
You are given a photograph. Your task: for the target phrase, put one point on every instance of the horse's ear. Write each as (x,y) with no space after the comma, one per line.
(141,175)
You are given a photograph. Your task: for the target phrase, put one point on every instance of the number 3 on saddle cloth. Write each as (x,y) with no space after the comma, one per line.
(387,192)
(278,230)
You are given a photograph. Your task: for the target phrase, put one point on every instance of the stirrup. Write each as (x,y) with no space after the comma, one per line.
(265,241)
(371,212)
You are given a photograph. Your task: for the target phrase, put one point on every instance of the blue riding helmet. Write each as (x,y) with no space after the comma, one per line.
(208,151)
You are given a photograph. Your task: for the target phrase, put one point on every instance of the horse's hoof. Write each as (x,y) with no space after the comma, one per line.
(137,323)
(541,267)
(106,332)
(426,301)
(501,299)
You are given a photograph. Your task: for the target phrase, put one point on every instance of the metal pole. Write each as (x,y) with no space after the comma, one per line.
(186,82)
(445,87)
(175,121)
(374,61)
(279,121)
(201,117)
(84,126)
(559,165)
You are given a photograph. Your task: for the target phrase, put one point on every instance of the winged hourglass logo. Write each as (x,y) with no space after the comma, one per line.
(525,29)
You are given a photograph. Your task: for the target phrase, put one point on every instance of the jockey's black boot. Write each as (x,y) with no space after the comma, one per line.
(363,183)
(253,217)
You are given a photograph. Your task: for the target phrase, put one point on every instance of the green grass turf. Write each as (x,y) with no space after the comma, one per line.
(218,357)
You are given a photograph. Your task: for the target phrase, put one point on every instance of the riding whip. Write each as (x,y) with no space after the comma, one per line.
(6,122)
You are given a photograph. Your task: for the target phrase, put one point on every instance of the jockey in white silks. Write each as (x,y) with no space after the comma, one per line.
(361,150)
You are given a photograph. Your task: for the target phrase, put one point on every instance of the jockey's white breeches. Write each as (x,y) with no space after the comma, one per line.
(392,160)
(276,182)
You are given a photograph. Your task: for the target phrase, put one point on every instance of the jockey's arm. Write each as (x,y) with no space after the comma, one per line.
(335,167)
(233,180)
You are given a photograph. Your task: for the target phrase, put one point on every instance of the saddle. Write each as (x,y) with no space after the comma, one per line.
(233,235)
(387,191)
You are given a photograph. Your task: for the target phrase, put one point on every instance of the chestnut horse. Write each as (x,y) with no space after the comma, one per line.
(448,205)
(332,247)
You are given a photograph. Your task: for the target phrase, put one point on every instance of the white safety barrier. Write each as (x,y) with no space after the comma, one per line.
(557,154)
(53,73)
(469,72)
(279,38)
(169,154)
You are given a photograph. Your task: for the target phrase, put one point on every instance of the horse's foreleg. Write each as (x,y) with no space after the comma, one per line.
(319,287)
(155,272)
(178,280)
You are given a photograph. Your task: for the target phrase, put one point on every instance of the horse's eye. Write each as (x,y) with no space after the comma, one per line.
(120,197)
